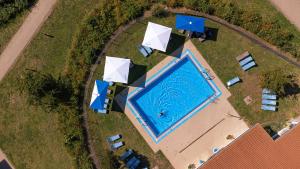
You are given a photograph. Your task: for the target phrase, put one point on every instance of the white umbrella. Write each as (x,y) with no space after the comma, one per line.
(157,36)
(116,69)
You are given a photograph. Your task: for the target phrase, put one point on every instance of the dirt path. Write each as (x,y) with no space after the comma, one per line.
(290,9)
(32,24)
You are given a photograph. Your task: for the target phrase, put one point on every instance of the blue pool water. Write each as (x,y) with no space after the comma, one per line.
(170,97)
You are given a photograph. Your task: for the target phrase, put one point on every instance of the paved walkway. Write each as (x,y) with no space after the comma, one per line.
(290,9)
(32,24)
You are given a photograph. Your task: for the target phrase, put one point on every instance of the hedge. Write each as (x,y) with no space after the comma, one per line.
(268,29)
(9,9)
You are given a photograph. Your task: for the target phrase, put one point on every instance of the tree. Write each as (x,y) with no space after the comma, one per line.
(277,80)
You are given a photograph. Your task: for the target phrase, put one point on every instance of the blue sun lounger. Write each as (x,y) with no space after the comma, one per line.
(132,163)
(248,66)
(268,108)
(126,154)
(269,97)
(148,50)
(269,102)
(113,138)
(266,91)
(103,111)
(143,51)
(246,60)
(116,146)
(233,81)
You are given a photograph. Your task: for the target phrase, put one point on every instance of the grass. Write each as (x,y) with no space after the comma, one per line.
(117,122)
(268,11)
(29,136)
(7,31)
(220,54)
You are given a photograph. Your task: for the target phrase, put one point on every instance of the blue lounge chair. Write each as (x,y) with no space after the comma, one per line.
(148,50)
(106,101)
(103,111)
(248,66)
(132,163)
(113,138)
(126,154)
(110,83)
(268,108)
(135,164)
(143,51)
(266,91)
(269,97)
(117,145)
(246,60)
(269,102)
(233,81)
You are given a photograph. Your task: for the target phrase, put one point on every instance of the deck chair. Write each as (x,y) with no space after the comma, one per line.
(126,154)
(269,96)
(245,61)
(248,66)
(103,111)
(135,164)
(106,101)
(142,51)
(242,56)
(233,81)
(116,146)
(148,50)
(113,138)
(131,162)
(110,83)
(266,91)
(268,108)
(269,102)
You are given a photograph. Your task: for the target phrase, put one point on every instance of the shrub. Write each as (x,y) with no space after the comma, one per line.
(9,9)
(174,3)
(159,11)
(277,80)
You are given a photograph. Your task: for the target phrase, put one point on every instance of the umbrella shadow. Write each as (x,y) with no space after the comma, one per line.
(175,45)
(119,106)
(137,72)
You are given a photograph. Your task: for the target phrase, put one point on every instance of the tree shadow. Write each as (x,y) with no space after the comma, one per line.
(175,44)
(271,132)
(291,89)
(119,106)
(144,161)
(4,165)
(137,72)
(211,33)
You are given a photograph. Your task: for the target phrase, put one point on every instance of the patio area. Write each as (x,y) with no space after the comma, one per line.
(195,139)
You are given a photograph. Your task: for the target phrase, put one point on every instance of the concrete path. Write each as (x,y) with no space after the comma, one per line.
(290,9)
(32,24)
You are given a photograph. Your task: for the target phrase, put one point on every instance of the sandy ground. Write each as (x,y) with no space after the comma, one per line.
(290,9)
(207,129)
(4,161)
(24,35)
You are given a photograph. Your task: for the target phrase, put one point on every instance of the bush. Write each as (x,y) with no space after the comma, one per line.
(268,29)
(10,8)
(174,3)
(277,80)
(159,11)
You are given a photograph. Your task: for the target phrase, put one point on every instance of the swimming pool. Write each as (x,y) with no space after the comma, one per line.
(172,95)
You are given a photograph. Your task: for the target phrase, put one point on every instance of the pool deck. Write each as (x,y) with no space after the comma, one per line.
(207,129)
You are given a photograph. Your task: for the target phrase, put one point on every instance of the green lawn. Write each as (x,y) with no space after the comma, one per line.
(220,54)
(7,31)
(268,11)
(30,136)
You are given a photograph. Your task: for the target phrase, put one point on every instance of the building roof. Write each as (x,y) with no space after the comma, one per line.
(256,149)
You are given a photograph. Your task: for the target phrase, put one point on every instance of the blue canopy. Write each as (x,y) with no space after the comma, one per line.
(190,23)
(99,94)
